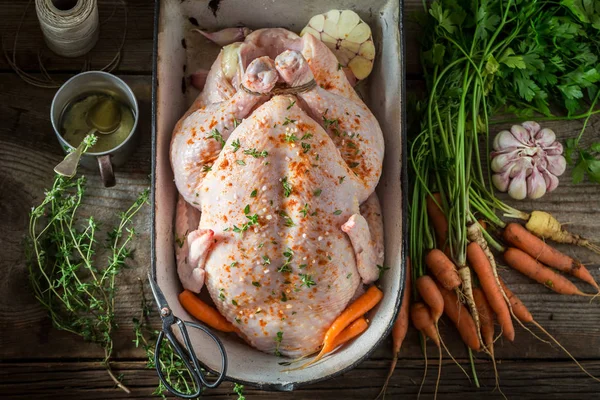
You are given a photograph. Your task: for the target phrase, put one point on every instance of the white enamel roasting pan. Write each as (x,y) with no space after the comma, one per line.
(177,54)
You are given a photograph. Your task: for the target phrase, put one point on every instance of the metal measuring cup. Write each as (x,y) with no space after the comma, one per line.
(97,81)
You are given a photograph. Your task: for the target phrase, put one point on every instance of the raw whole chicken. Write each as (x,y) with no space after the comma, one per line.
(290,227)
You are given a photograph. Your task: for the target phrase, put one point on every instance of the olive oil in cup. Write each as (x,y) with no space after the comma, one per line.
(96,103)
(79,119)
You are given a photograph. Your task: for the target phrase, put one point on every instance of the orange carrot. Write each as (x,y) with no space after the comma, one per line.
(521,312)
(480,263)
(443,269)
(400,325)
(205,313)
(354,311)
(530,267)
(421,318)
(423,321)
(352,331)
(486,314)
(520,237)
(438,220)
(459,314)
(431,296)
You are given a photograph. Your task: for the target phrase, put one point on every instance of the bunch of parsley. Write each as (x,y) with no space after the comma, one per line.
(483,58)
(536,59)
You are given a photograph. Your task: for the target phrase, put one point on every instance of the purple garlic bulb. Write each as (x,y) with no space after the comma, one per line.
(527,161)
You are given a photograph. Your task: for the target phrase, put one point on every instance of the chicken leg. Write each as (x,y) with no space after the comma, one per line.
(351,125)
(199,137)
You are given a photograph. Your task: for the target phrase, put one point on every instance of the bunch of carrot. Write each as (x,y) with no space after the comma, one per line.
(473,296)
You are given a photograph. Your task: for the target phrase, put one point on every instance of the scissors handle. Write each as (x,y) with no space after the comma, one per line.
(188,354)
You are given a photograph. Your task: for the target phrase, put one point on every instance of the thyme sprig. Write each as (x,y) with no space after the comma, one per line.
(78,294)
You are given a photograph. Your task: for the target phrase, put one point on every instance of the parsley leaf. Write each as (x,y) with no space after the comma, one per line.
(442,16)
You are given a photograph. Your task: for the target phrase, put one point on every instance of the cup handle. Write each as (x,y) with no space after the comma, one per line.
(106,170)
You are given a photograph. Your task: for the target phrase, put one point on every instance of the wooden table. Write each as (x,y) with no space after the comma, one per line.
(40,362)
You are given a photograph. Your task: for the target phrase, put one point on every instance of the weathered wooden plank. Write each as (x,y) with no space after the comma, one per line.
(522,380)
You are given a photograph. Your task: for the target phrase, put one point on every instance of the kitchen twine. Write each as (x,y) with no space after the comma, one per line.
(72,32)
(68,33)
(283,89)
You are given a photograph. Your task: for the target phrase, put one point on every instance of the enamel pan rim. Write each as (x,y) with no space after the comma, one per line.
(404,185)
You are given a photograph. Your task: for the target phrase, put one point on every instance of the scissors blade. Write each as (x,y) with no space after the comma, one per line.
(159,297)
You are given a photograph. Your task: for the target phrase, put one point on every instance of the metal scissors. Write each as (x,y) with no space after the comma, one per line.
(187,353)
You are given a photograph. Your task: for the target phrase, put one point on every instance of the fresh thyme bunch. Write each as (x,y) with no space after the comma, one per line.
(77,292)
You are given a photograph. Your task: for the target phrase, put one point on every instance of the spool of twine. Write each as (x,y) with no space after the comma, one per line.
(70,27)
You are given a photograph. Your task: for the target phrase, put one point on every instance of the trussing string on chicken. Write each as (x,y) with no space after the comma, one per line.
(283,89)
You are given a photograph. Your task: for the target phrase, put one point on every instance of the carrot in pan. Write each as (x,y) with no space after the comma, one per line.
(354,311)
(205,313)
(352,331)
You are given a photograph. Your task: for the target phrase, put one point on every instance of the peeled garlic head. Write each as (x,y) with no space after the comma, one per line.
(527,161)
(348,37)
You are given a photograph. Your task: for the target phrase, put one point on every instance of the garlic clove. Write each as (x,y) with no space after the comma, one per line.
(556,164)
(521,134)
(501,181)
(545,137)
(230,60)
(536,185)
(317,22)
(532,127)
(517,189)
(505,140)
(524,164)
(540,161)
(502,161)
(225,36)
(556,149)
(550,179)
